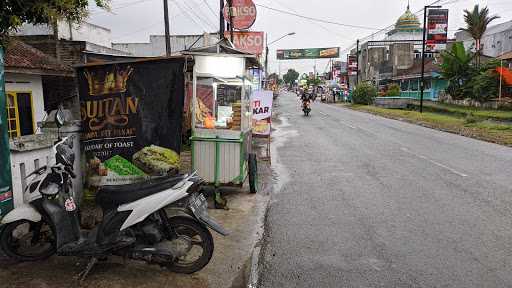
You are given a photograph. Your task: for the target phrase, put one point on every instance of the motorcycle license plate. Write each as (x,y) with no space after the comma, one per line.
(199,204)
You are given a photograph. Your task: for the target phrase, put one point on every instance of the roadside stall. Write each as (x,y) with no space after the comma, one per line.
(221,115)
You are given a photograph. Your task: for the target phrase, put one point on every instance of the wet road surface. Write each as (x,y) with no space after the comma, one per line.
(364,201)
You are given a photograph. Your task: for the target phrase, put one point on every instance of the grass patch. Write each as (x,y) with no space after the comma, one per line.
(466,124)
(482,114)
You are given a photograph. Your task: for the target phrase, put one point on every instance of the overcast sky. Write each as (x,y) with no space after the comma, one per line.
(135,20)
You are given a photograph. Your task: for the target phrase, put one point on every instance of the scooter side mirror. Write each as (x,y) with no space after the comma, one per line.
(59,118)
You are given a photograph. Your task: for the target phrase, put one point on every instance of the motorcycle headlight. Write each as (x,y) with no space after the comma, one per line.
(49,188)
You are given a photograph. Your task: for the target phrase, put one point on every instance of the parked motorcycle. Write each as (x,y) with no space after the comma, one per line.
(135,224)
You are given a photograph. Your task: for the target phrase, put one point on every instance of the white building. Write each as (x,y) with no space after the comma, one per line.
(496,41)
(65,30)
(25,70)
(156,45)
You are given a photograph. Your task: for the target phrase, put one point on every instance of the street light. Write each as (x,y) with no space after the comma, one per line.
(266,51)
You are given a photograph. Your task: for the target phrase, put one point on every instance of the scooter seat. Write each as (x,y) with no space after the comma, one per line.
(115,195)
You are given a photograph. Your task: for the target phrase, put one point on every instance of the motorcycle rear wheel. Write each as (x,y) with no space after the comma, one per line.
(14,235)
(199,236)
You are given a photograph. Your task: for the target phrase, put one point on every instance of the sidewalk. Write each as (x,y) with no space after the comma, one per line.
(228,267)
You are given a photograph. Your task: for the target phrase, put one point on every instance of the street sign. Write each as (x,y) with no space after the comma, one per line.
(437,29)
(308,53)
(247,41)
(243,13)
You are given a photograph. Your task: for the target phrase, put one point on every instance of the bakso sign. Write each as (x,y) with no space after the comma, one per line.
(243,13)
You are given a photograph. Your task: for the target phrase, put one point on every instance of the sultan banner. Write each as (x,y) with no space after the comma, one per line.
(261,103)
(437,29)
(308,53)
(131,119)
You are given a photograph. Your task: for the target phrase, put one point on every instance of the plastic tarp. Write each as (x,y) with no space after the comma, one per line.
(506,74)
(5,162)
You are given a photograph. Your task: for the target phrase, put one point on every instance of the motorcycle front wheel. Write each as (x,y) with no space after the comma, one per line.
(196,243)
(25,240)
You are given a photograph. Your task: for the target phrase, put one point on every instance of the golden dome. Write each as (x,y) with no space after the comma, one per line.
(408,22)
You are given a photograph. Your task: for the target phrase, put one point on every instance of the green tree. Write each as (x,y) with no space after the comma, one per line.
(290,77)
(364,93)
(16,12)
(477,21)
(393,90)
(457,69)
(485,86)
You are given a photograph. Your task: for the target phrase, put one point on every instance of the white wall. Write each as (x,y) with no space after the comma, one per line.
(156,45)
(497,39)
(84,32)
(28,83)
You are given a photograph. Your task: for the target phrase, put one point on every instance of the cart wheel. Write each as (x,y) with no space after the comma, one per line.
(253,172)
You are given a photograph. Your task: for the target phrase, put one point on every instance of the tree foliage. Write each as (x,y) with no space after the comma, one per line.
(16,12)
(364,93)
(477,21)
(393,90)
(465,79)
(290,76)
(457,69)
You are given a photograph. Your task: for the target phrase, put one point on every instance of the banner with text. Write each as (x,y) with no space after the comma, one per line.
(247,41)
(131,119)
(261,104)
(308,53)
(5,154)
(437,29)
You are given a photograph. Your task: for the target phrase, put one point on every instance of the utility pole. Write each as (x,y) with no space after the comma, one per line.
(167,35)
(221,18)
(422,81)
(266,60)
(230,7)
(357,62)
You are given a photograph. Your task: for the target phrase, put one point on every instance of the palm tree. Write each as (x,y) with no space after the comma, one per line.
(476,24)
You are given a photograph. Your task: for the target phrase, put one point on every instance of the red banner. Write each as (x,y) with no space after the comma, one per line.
(249,41)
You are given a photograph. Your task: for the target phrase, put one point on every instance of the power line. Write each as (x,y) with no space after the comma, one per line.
(190,16)
(316,19)
(210,8)
(316,23)
(387,28)
(129,4)
(203,19)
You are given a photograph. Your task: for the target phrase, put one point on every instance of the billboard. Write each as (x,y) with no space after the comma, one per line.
(308,53)
(437,29)
(131,116)
(247,41)
(5,164)
(352,65)
(243,13)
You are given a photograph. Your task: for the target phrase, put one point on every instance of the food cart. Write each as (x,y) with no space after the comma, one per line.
(221,115)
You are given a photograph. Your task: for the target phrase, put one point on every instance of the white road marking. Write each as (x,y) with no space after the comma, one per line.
(348,125)
(434,162)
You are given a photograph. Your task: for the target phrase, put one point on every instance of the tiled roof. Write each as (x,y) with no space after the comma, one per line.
(506,56)
(19,55)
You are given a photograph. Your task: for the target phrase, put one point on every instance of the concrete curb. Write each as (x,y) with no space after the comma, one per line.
(254,272)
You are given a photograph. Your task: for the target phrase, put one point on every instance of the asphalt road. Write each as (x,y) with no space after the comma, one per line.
(364,201)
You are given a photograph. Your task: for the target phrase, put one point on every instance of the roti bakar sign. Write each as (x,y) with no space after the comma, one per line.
(243,13)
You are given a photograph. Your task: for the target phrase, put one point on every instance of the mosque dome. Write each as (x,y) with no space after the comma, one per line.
(408,22)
